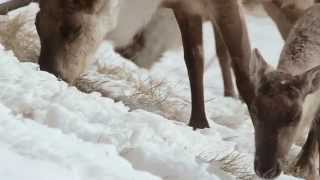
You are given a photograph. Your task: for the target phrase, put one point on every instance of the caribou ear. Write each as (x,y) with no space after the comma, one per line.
(309,81)
(258,67)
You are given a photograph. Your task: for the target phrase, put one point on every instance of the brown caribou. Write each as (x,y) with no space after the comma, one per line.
(286,100)
(146,46)
(71,30)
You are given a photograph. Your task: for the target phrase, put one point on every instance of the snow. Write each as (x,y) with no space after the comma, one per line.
(61,159)
(49,130)
(71,129)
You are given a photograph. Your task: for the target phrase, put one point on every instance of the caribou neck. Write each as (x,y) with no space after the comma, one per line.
(302,49)
(301,53)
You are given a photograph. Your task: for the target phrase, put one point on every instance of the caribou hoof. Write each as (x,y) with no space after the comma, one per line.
(200,123)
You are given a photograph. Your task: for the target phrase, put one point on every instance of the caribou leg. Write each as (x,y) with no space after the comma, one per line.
(230,22)
(316,125)
(304,166)
(191,32)
(225,64)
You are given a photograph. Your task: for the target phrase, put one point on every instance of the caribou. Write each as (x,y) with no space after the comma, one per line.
(71,30)
(145,46)
(286,100)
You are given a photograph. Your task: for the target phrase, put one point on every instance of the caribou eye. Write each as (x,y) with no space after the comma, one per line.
(292,91)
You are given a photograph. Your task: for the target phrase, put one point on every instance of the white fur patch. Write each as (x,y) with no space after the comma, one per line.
(133,16)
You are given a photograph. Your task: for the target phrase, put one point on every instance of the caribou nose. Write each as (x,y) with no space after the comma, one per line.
(267,171)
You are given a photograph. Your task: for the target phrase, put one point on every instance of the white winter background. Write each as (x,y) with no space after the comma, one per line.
(51,131)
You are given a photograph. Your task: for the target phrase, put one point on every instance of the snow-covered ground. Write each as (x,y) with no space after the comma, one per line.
(50,131)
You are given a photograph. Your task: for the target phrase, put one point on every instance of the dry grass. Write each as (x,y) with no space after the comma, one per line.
(156,96)
(234,164)
(136,92)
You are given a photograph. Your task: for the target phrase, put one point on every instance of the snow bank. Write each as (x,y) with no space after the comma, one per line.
(53,122)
